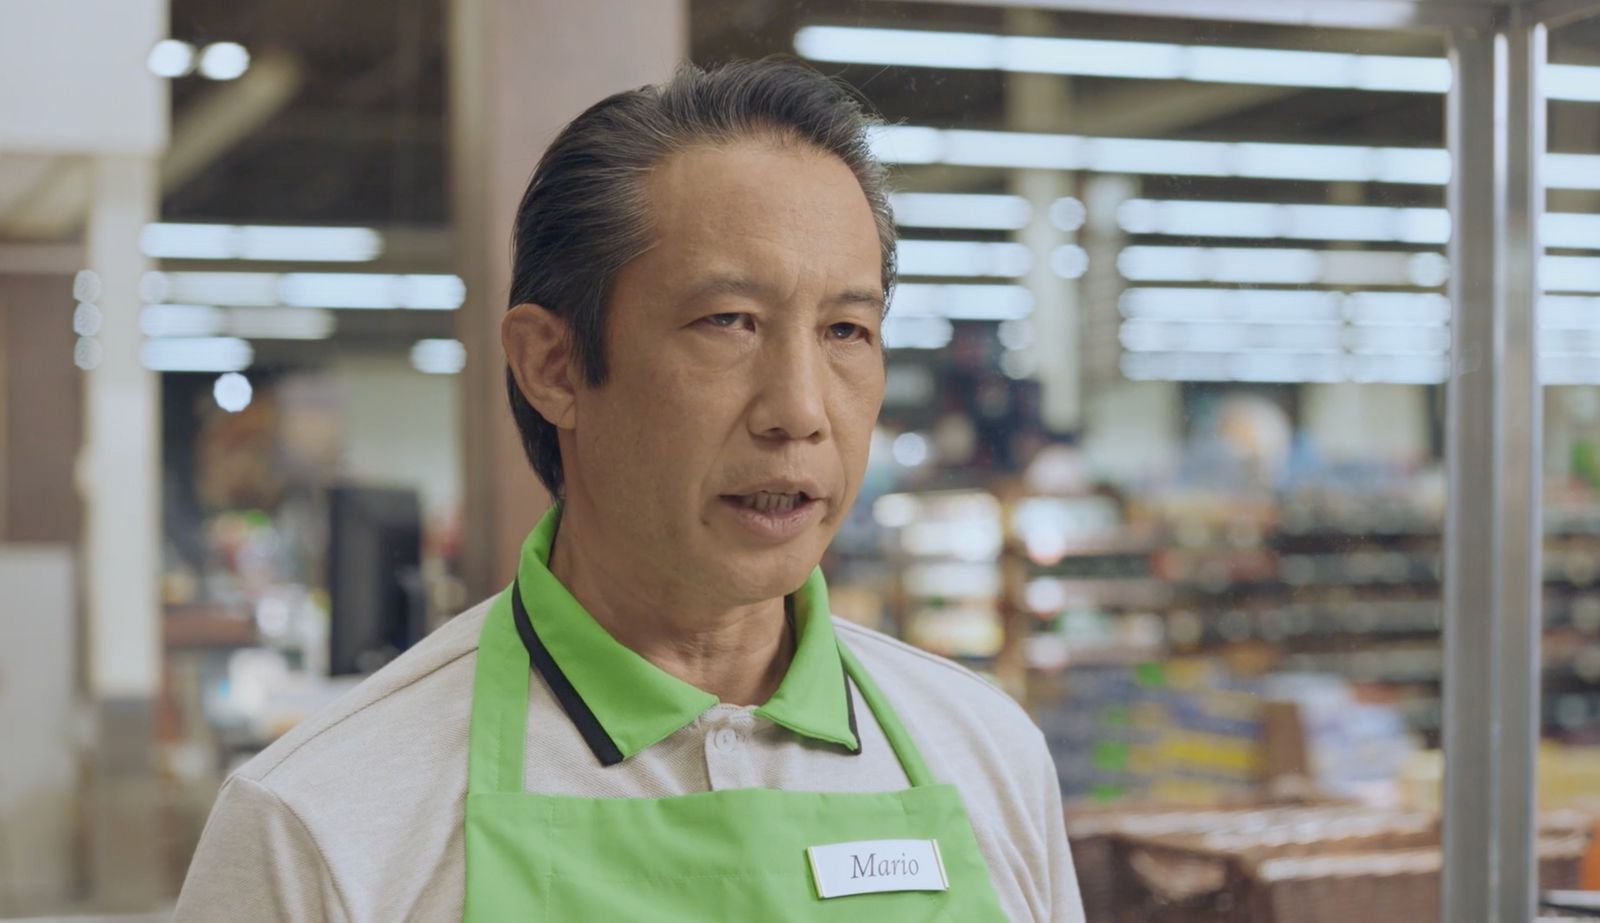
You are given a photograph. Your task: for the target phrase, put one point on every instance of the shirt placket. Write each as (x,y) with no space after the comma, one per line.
(730,759)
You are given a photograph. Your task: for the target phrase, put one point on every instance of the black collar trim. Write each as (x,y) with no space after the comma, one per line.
(600,743)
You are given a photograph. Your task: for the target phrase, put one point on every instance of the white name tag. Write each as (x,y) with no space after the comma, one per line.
(870,866)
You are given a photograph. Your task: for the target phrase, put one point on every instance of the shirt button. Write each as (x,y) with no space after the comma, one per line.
(725,739)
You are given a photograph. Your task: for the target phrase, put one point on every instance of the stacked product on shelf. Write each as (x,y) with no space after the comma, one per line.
(1183,731)
(1140,630)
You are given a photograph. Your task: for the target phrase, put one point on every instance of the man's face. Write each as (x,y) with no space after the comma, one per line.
(746,374)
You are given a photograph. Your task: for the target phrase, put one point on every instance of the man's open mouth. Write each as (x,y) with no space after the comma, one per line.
(767,502)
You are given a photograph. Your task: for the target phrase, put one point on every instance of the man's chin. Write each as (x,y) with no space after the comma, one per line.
(757,576)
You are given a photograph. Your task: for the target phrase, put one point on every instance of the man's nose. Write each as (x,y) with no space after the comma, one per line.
(791,391)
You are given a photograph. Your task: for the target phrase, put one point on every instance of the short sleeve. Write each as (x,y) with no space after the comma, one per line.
(257,863)
(1066,903)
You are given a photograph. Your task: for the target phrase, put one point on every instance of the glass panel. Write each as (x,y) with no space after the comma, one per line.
(1162,453)
(1569,760)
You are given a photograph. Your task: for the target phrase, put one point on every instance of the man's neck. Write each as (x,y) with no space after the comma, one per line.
(739,654)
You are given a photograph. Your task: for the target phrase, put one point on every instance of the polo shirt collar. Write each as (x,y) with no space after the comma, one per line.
(622,703)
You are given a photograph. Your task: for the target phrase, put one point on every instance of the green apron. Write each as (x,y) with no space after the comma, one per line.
(734,855)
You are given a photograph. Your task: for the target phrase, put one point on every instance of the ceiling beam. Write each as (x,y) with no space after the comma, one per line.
(58,201)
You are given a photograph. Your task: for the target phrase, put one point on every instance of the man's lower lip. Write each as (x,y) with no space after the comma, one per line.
(774,525)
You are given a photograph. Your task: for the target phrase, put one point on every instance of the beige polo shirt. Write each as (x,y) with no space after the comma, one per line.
(357,814)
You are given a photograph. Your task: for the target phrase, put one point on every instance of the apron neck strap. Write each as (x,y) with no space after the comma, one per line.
(499,722)
(899,739)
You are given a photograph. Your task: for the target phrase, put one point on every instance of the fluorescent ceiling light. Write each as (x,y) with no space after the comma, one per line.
(1572,82)
(1569,273)
(1571,312)
(1032,150)
(196,354)
(955,210)
(260,242)
(225,288)
(1398,341)
(170,58)
(275,323)
(1147,336)
(917,332)
(1284,367)
(1282,306)
(182,320)
(963,258)
(280,323)
(915,144)
(1572,342)
(438,357)
(1281,266)
(306,289)
(224,61)
(1398,370)
(1402,309)
(1567,229)
(1266,220)
(1156,61)
(1571,171)
(339,290)
(1570,370)
(962,302)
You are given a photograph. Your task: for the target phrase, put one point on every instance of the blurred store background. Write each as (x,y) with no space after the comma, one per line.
(1163,451)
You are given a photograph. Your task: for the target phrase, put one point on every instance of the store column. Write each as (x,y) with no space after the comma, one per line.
(520,69)
(1040,103)
(119,470)
(119,479)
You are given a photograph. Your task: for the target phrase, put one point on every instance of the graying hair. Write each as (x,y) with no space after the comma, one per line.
(584,214)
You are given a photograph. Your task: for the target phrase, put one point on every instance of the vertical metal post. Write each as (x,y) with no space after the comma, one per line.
(1521,596)
(1473,416)
(1493,533)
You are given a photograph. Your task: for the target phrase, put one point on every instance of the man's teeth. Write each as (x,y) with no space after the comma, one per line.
(765,502)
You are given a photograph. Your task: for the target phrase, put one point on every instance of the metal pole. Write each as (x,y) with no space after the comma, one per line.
(1493,531)
(1473,415)
(1521,599)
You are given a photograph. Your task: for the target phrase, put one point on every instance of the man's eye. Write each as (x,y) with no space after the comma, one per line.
(724,320)
(846,331)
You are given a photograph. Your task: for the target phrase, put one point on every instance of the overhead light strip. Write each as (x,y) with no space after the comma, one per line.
(196,354)
(1077,57)
(915,144)
(306,290)
(184,241)
(1374,223)
(974,211)
(1282,266)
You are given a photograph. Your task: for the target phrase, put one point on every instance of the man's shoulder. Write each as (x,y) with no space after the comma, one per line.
(923,685)
(408,716)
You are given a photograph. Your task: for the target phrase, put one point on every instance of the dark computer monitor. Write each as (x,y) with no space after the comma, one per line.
(376,604)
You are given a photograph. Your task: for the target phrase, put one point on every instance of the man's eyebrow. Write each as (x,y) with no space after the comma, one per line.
(744,286)
(863,296)
(723,284)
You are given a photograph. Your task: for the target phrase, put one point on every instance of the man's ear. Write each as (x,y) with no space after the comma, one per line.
(535,341)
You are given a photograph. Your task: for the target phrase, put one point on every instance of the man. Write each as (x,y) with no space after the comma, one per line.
(660,720)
